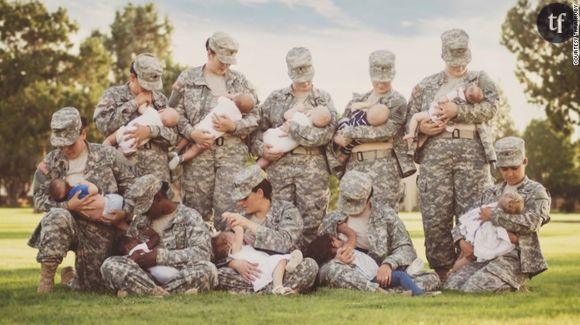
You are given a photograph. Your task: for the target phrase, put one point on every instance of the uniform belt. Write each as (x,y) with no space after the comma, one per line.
(371,146)
(226,140)
(371,154)
(459,134)
(306,151)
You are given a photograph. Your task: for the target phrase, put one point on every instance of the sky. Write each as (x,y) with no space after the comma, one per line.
(340,34)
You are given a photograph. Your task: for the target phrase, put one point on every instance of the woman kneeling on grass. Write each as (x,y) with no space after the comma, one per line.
(510,271)
(380,234)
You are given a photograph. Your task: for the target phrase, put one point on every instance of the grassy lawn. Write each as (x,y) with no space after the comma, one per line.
(554,296)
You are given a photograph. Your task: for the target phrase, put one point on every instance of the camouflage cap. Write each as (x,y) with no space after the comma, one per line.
(355,189)
(511,152)
(66,126)
(149,71)
(455,47)
(142,192)
(299,63)
(224,46)
(246,180)
(382,66)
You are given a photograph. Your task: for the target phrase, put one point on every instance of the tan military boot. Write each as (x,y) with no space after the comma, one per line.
(158,292)
(47,272)
(67,275)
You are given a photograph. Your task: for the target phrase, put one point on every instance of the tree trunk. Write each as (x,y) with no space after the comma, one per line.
(14,190)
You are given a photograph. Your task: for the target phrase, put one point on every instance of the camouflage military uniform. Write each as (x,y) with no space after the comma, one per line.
(116,108)
(185,245)
(454,170)
(510,271)
(59,231)
(280,234)
(389,242)
(206,179)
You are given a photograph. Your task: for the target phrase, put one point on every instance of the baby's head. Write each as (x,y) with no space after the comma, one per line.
(126,244)
(323,248)
(378,114)
(169,117)
(58,189)
(244,102)
(320,116)
(221,245)
(511,203)
(473,94)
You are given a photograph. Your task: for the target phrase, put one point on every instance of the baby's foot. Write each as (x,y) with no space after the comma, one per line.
(283,291)
(295,259)
(175,161)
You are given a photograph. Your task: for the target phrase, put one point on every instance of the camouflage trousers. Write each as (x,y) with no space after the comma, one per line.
(151,159)
(302,180)
(207,181)
(301,279)
(120,272)
(500,274)
(387,187)
(59,232)
(335,274)
(453,175)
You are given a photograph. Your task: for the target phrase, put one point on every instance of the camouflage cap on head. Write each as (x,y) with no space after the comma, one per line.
(142,192)
(355,189)
(455,47)
(149,71)
(246,180)
(511,152)
(382,66)
(224,46)
(299,63)
(66,127)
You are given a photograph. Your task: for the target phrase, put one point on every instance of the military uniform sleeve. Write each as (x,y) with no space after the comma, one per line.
(285,237)
(110,115)
(250,121)
(42,200)
(184,126)
(330,223)
(310,136)
(480,112)
(257,146)
(536,213)
(369,133)
(198,247)
(401,251)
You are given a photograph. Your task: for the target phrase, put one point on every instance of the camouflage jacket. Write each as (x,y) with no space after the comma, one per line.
(193,99)
(389,241)
(117,108)
(526,225)
(479,114)
(272,116)
(184,241)
(282,230)
(106,168)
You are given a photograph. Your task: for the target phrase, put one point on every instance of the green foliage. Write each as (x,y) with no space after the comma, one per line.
(503,123)
(552,160)
(553,299)
(544,68)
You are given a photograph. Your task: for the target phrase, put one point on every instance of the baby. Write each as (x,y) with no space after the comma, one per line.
(472,94)
(278,138)
(272,267)
(363,114)
(488,241)
(234,107)
(130,247)
(326,247)
(103,205)
(149,116)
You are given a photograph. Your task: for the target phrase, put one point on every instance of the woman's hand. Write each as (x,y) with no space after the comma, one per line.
(249,271)
(202,137)
(485,214)
(431,128)
(448,111)
(384,275)
(235,220)
(271,155)
(345,255)
(79,205)
(341,140)
(223,123)
(138,133)
(466,248)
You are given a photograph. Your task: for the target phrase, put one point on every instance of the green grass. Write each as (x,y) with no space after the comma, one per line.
(554,296)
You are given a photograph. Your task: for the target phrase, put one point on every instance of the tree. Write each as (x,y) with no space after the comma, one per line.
(544,68)
(552,160)
(503,123)
(138,29)
(33,56)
